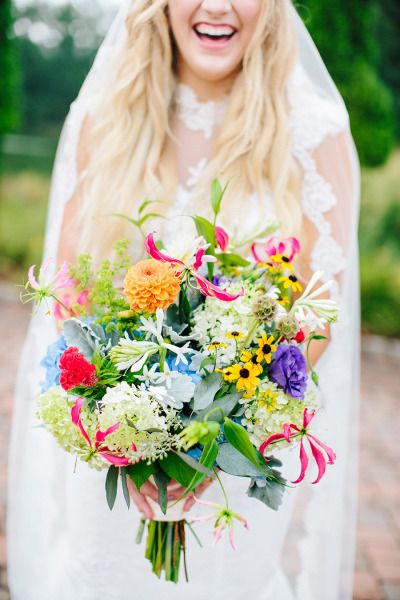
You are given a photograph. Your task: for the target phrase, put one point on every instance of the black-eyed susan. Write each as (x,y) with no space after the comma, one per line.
(234,335)
(266,348)
(216,346)
(228,374)
(291,282)
(248,356)
(283,260)
(246,376)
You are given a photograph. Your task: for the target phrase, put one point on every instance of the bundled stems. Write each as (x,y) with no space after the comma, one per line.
(165,546)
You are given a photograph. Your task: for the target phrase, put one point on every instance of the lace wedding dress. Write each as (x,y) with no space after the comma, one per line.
(64,542)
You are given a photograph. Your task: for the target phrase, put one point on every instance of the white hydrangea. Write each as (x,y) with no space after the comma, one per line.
(214,319)
(267,412)
(143,422)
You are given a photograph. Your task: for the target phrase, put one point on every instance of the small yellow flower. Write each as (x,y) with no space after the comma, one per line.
(227,374)
(273,269)
(283,260)
(291,282)
(216,346)
(268,400)
(235,335)
(247,356)
(246,376)
(283,301)
(266,348)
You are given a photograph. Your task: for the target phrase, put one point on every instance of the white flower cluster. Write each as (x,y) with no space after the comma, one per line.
(143,422)
(214,319)
(267,412)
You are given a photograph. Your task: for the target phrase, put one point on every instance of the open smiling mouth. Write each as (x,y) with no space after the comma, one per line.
(214,33)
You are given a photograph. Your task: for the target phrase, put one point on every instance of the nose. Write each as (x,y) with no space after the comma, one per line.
(216,7)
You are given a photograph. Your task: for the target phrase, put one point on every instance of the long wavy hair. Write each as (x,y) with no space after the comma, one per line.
(127,143)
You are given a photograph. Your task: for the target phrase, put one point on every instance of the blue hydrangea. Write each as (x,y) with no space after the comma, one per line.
(50,363)
(184,369)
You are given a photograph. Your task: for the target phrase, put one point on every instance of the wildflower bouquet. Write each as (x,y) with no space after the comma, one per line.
(197,364)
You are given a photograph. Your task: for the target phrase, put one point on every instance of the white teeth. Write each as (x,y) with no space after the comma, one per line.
(204,29)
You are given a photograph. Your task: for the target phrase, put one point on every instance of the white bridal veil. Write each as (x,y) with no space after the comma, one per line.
(316,557)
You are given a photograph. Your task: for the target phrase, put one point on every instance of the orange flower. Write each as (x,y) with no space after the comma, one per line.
(151,284)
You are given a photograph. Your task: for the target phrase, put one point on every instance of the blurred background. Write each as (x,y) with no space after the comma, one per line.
(46,49)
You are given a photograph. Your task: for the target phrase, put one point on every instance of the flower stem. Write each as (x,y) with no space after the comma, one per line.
(222,488)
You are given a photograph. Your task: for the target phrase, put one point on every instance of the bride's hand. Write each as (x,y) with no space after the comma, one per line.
(175,491)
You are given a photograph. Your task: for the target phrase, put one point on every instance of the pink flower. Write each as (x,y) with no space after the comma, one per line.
(222,238)
(206,287)
(224,519)
(60,310)
(98,447)
(46,285)
(288,247)
(323,454)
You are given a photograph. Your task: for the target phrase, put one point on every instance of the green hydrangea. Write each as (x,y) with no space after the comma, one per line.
(54,411)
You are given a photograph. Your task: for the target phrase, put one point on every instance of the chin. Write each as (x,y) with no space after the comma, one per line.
(214,71)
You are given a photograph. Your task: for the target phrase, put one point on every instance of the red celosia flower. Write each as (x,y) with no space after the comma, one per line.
(76,370)
(300,337)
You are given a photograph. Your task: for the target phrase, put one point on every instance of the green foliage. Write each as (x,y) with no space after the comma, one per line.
(9,71)
(352,60)
(111,486)
(389,44)
(140,473)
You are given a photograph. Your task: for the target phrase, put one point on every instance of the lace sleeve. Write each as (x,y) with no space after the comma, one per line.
(324,149)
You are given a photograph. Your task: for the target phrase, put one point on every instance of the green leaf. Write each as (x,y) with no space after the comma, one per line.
(125,487)
(206,229)
(149,216)
(161,480)
(232,260)
(226,404)
(207,459)
(239,438)
(205,392)
(217,193)
(315,378)
(177,469)
(267,491)
(233,462)
(111,486)
(194,464)
(122,216)
(140,473)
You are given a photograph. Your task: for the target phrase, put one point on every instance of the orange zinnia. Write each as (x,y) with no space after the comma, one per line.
(150,284)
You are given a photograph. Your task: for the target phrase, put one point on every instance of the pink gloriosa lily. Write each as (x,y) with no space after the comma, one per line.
(224,519)
(322,453)
(67,304)
(98,447)
(288,247)
(206,287)
(46,285)
(222,238)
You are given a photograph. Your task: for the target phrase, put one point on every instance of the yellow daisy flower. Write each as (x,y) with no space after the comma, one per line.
(216,346)
(283,260)
(235,335)
(291,282)
(246,376)
(247,356)
(228,374)
(266,347)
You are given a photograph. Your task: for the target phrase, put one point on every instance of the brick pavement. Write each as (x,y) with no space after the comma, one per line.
(377,574)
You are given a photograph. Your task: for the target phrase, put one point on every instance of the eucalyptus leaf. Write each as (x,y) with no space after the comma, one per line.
(81,335)
(233,462)
(226,404)
(194,464)
(161,480)
(111,486)
(267,491)
(206,390)
(125,489)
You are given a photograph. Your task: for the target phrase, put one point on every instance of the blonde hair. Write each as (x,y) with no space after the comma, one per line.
(130,126)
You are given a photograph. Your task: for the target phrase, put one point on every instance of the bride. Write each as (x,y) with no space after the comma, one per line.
(183,91)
